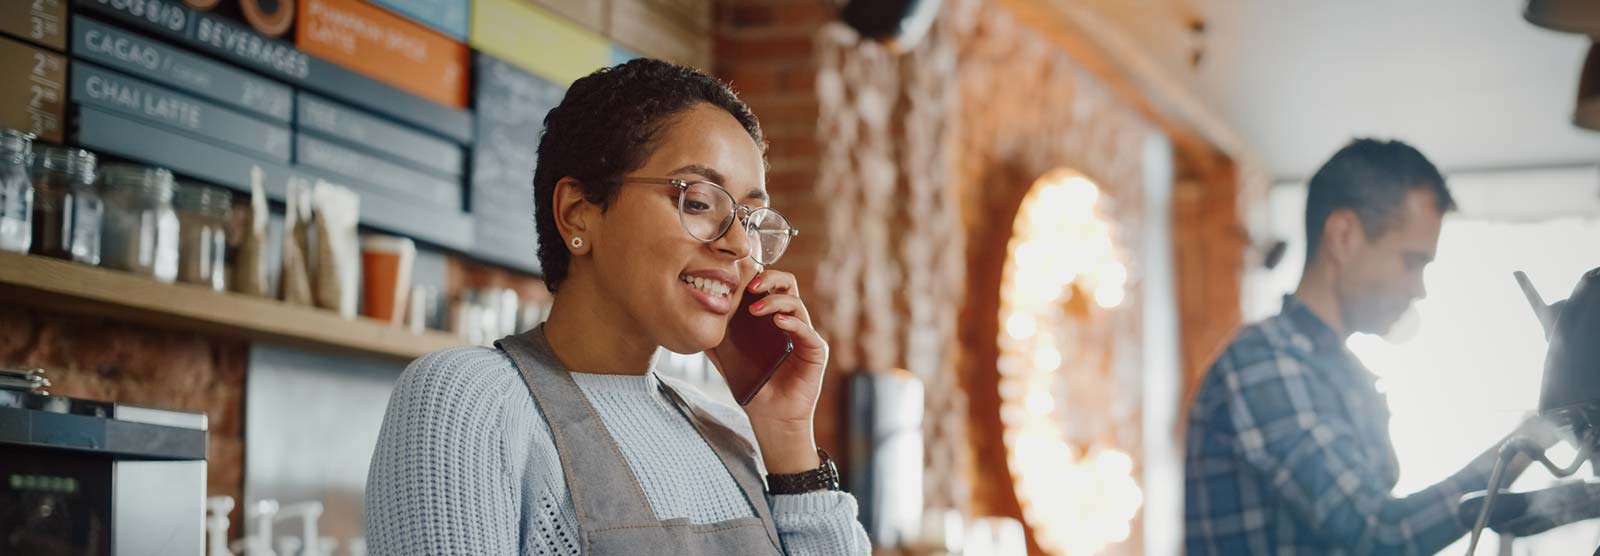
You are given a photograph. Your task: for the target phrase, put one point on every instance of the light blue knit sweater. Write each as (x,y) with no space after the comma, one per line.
(465,466)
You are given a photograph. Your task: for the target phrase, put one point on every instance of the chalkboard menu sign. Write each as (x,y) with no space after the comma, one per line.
(382,209)
(32,94)
(92,85)
(377,136)
(112,132)
(400,181)
(227,39)
(129,52)
(511,105)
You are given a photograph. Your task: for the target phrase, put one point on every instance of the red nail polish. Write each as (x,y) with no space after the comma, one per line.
(757,305)
(754,283)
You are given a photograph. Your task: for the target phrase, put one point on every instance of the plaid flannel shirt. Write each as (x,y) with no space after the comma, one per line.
(1288,452)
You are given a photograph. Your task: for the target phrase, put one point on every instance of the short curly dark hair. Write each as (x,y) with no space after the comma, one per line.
(605,127)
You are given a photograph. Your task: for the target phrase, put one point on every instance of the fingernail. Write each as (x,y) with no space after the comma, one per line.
(754,283)
(757,305)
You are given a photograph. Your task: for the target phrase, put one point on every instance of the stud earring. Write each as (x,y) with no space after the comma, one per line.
(577,243)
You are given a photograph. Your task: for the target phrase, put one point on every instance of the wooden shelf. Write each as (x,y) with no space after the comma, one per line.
(53,284)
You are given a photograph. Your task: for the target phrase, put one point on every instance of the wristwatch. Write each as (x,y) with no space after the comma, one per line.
(825,477)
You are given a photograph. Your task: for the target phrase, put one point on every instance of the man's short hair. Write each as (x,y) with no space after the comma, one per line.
(1372,178)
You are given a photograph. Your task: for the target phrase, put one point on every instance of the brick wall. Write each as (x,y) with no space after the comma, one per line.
(101,360)
(1050,113)
(1211,256)
(765,49)
(904,171)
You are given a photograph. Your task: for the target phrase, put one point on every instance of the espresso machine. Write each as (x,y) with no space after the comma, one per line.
(1569,400)
(1570,397)
(89,478)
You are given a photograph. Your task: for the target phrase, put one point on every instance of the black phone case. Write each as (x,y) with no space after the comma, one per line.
(756,343)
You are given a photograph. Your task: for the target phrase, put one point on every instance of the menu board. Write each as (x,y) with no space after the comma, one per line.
(446,16)
(130,52)
(386,47)
(96,86)
(378,136)
(511,106)
(33,101)
(403,182)
(235,42)
(41,22)
(110,132)
(383,210)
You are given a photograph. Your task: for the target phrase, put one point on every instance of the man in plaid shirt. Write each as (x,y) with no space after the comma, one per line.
(1288,448)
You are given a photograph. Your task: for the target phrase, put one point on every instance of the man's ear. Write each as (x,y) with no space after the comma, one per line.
(577,219)
(1343,235)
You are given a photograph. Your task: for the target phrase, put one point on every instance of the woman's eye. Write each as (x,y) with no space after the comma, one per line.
(695,207)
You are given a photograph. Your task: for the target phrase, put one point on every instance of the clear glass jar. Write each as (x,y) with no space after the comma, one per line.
(203,214)
(16,191)
(66,205)
(140,231)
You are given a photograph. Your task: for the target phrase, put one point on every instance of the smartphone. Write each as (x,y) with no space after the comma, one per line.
(752,350)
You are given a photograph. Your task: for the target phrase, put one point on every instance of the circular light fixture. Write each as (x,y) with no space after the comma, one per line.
(1062,271)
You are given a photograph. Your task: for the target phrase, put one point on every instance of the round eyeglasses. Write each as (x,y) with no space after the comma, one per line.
(707,212)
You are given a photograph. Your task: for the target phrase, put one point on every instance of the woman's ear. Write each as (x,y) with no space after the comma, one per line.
(577,219)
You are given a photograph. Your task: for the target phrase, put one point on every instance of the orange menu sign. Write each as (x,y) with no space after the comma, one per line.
(386,47)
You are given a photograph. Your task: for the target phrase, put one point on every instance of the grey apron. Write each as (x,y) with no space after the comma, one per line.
(614,517)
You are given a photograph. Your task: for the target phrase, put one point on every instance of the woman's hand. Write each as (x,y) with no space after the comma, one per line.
(782,412)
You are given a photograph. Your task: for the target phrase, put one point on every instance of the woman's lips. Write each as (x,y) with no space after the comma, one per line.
(716,296)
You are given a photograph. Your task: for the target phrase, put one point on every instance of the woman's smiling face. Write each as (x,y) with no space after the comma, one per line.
(676,289)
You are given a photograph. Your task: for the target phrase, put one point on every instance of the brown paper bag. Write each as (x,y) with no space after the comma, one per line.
(337,269)
(296,287)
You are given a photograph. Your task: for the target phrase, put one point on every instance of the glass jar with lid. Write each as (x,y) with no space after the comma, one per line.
(139,233)
(66,205)
(16,191)
(203,215)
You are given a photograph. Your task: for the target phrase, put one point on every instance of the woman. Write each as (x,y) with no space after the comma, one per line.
(650,199)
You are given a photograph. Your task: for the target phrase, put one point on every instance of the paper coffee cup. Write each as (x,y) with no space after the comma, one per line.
(386,263)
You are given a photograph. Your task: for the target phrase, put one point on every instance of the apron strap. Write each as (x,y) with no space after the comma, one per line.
(606,494)
(737,454)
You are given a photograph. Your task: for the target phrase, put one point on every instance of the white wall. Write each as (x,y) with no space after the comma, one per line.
(1503,196)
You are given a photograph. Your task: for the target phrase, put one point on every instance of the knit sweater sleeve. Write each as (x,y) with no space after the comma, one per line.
(813,524)
(464,465)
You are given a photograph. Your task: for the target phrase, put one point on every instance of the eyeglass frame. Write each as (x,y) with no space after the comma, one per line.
(741,212)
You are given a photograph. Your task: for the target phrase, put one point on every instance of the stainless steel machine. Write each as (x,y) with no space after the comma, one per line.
(88,478)
(1570,401)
